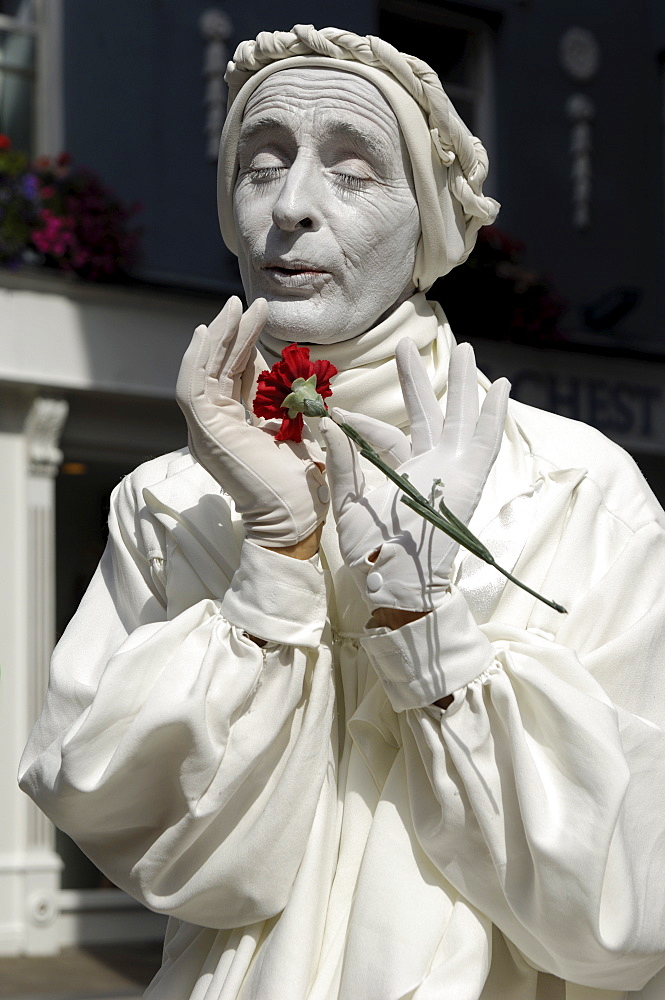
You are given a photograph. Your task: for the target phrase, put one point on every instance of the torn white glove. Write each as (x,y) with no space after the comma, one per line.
(400,560)
(276,486)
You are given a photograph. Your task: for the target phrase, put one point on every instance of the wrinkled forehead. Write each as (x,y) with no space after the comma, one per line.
(320,96)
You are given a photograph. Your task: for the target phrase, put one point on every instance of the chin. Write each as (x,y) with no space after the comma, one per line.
(308,321)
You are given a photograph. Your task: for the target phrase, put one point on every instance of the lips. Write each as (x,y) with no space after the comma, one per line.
(292,267)
(296,275)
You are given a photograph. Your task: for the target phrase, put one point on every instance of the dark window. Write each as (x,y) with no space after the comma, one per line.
(18,61)
(456,46)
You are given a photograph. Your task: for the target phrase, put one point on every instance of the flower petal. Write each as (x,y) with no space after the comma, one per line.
(291,429)
(275,385)
(296,363)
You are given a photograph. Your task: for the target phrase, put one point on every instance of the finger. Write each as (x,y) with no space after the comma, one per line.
(192,388)
(241,348)
(461,399)
(388,441)
(345,477)
(313,448)
(249,330)
(223,330)
(486,443)
(422,406)
(255,365)
(191,377)
(237,334)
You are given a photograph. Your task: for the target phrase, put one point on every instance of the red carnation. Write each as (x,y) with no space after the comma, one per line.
(274,386)
(5,141)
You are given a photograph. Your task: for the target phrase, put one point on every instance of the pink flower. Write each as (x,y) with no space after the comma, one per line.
(56,236)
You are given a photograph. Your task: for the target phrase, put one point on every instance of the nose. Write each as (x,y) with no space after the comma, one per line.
(298,204)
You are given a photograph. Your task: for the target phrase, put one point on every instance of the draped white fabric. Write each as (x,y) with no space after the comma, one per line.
(314,839)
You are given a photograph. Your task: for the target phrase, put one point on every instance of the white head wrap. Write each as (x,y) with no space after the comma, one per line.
(449,164)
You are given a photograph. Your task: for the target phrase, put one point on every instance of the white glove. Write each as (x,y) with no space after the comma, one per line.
(277,487)
(412,568)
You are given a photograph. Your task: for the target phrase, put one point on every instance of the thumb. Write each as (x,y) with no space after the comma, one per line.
(345,477)
(388,441)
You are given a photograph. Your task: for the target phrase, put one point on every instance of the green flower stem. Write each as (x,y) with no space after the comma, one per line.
(368,452)
(474,545)
(444,519)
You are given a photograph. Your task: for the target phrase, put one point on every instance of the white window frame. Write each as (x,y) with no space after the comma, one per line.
(48,123)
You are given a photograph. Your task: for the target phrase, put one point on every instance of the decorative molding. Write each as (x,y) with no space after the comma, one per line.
(43,907)
(216,28)
(579,54)
(580,109)
(43,429)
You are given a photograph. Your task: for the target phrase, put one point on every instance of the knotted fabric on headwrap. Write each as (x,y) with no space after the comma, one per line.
(449,164)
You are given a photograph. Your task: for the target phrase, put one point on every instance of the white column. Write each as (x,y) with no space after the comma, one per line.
(29,866)
(43,427)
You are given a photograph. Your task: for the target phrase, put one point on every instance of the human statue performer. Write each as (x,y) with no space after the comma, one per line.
(345,756)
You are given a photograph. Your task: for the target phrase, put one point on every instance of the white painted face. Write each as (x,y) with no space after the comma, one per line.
(325,211)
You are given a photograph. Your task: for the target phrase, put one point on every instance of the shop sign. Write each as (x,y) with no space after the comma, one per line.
(624,399)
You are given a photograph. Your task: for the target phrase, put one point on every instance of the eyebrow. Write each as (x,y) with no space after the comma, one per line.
(261,124)
(249,130)
(358,136)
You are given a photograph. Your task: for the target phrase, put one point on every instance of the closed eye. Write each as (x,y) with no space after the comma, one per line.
(263,175)
(350,181)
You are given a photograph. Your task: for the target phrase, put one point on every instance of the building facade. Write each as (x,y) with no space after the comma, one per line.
(569,98)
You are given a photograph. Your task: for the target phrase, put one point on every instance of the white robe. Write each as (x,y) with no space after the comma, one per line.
(314,829)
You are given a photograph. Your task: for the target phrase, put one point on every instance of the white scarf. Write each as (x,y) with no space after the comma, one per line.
(367,381)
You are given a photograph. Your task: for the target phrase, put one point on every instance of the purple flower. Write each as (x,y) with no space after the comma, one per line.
(30,186)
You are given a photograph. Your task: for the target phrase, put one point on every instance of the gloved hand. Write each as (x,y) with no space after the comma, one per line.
(277,487)
(398,559)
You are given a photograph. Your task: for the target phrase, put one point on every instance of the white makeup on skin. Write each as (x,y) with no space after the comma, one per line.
(324,206)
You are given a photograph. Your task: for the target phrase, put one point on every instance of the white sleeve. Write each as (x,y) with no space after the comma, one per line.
(539,793)
(186,761)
